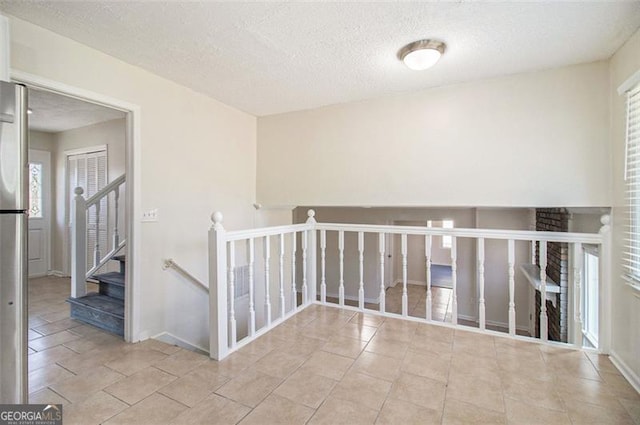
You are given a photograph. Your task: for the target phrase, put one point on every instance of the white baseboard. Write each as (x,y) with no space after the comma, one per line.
(409,282)
(625,370)
(56,273)
(354,298)
(492,323)
(174,340)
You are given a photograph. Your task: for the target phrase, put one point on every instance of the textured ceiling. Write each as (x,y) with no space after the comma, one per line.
(53,112)
(272,57)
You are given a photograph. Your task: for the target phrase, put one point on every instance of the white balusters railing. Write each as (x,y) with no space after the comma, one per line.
(342,281)
(82,210)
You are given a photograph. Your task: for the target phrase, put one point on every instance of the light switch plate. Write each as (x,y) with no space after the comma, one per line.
(150,216)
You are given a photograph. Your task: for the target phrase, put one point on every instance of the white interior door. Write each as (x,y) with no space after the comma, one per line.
(39,212)
(88,170)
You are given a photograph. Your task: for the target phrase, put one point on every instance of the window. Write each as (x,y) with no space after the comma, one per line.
(35,190)
(447,241)
(590,306)
(632,178)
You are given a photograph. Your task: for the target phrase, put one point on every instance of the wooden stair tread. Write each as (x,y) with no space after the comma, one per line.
(102,303)
(112,278)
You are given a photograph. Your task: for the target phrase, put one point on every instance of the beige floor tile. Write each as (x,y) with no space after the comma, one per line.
(377,365)
(306,388)
(188,390)
(84,385)
(582,368)
(418,390)
(55,316)
(95,409)
(278,410)
(55,327)
(210,374)
(380,344)
(356,330)
(336,411)
(363,389)
(476,391)
(50,356)
(405,413)
(328,364)
(586,391)
(33,335)
(90,359)
(249,388)
(427,364)
(602,363)
(213,409)
(154,344)
(46,396)
(460,413)
(140,385)
(302,345)
(584,413)
(47,375)
(524,414)
(153,410)
(344,346)
(367,319)
(633,409)
(533,392)
(235,364)
(279,363)
(135,360)
(52,340)
(98,341)
(426,344)
(181,362)
(619,386)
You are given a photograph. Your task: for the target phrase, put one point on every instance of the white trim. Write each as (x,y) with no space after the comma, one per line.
(171,339)
(87,150)
(493,323)
(353,298)
(47,205)
(625,370)
(132,331)
(629,83)
(56,273)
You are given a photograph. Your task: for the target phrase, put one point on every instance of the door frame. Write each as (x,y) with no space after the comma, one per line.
(132,331)
(46,207)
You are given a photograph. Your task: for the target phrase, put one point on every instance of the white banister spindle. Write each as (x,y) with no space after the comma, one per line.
(312,259)
(252,310)
(427,253)
(533,252)
(267,286)
(323,266)
(218,330)
(283,308)
(512,305)
(116,207)
(294,293)
(405,296)
(544,320)
(305,298)
(361,270)
(232,294)
(454,281)
(481,306)
(341,261)
(578,292)
(97,256)
(78,245)
(381,252)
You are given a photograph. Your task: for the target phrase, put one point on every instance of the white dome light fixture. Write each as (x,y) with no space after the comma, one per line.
(421,54)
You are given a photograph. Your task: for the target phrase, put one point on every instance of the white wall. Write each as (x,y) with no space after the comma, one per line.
(41,140)
(537,139)
(625,303)
(197,155)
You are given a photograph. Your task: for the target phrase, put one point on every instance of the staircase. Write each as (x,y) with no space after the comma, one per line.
(105,308)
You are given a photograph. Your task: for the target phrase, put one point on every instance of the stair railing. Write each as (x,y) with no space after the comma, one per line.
(80,269)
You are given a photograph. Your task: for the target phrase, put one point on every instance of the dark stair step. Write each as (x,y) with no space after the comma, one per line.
(123,262)
(111,284)
(99,310)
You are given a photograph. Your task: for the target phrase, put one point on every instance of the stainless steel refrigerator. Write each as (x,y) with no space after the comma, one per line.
(13,243)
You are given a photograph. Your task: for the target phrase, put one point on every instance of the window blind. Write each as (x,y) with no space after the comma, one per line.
(632,178)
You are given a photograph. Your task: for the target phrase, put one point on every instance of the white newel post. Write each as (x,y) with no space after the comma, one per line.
(481,305)
(79,245)
(544,320)
(312,259)
(218,334)
(604,313)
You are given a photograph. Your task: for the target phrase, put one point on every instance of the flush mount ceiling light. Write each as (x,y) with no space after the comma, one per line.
(421,54)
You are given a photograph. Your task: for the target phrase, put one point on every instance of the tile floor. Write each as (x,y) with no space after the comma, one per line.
(323,366)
